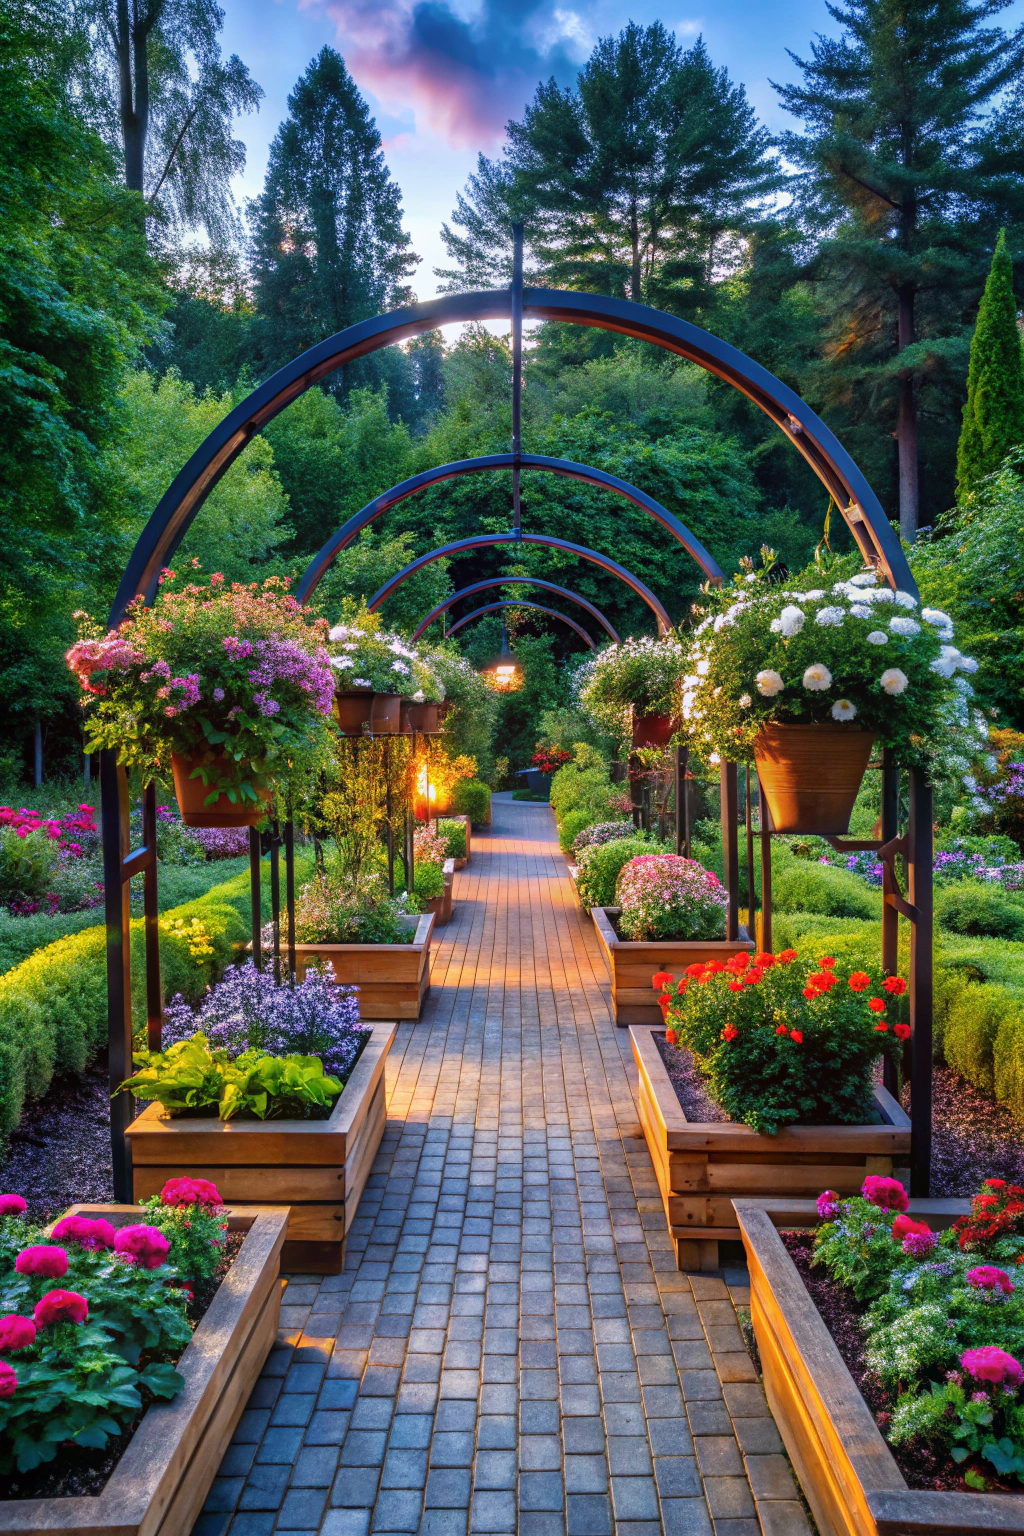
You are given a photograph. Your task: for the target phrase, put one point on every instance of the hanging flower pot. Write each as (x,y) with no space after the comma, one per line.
(422,718)
(192,794)
(811,774)
(652,730)
(362,711)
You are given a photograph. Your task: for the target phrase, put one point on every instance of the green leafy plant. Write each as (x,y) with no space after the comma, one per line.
(472,798)
(972,908)
(643,675)
(598,870)
(783,1041)
(190,1078)
(428,882)
(330,911)
(857,655)
(366,658)
(454,834)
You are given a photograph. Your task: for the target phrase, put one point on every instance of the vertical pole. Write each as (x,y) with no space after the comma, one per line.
(410,816)
(256,898)
(748,817)
(387,816)
(517,371)
(86,768)
(919,894)
(890,917)
(38,745)
(289,892)
(117,900)
(730,846)
(154,991)
(766,871)
(275,896)
(636,790)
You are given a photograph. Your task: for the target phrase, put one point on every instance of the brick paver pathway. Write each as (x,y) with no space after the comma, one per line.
(510,1347)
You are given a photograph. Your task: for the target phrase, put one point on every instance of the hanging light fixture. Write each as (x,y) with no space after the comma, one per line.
(503,672)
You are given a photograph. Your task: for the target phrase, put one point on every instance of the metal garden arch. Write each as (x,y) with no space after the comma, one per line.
(553,613)
(504,581)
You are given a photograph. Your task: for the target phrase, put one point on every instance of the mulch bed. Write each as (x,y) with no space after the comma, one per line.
(698,1107)
(841,1314)
(972,1138)
(60,1153)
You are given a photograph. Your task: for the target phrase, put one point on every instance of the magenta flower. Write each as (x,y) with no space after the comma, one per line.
(887,1194)
(142,1245)
(51,1263)
(986,1277)
(12,1205)
(918,1245)
(60,1307)
(84,1232)
(828,1205)
(190,1192)
(16,1332)
(991,1364)
(8,1380)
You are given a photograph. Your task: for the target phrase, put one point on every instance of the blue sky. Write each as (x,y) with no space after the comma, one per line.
(443,76)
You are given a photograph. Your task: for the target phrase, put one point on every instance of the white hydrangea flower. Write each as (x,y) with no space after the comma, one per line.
(863,579)
(878,637)
(842,709)
(362,682)
(817,678)
(840,589)
(400,666)
(884,595)
(776,626)
(947,661)
(769,683)
(893,680)
(967,664)
(815,596)
(792,620)
(745,701)
(936,617)
(860,611)
(901,626)
(830,617)
(342,661)
(970,784)
(338,632)
(703,668)
(419,696)
(904,600)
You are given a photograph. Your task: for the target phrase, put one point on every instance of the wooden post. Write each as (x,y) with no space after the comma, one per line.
(730,845)
(275,896)
(748,817)
(38,754)
(154,991)
(890,916)
(682,802)
(255,898)
(766,871)
(117,901)
(919,894)
(289,894)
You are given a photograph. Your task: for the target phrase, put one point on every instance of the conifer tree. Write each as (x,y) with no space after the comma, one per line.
(904,193)
(994,413)
(328,245)
(628,181)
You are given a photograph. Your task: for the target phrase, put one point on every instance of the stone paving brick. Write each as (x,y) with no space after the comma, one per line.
(510,1347)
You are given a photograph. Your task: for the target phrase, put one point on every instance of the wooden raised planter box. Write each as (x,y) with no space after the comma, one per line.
(702,1167)
(393,979)
(161,1482)
(631,965)
(848,1474)
(318,1168)
(441,906)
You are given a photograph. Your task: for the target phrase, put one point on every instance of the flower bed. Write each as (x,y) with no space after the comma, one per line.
(701,1166)
(80,1372)
(393,979)
(318,1168)
(630,965)
(849,1475)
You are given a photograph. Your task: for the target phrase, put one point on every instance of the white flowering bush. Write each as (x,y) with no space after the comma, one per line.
(851,652)
(664,896)
(365,656)
(644,672)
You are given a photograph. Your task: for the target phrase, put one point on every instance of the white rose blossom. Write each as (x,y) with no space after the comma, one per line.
(769,683)
(904,600)
(842,709)
(878,637)
(817,678)
(893,680)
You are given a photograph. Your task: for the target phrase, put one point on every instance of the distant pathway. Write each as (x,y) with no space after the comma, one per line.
(511,1348)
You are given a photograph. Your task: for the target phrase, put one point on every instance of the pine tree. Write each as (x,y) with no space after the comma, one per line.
(994,412)
(628,181)
(328,245)
(904,192)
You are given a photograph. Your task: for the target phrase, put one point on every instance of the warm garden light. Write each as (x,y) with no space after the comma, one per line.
(504,674)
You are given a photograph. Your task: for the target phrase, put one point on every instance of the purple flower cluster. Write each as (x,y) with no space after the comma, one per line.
(221,842)
(282,661)
(248,1010)
(238,649)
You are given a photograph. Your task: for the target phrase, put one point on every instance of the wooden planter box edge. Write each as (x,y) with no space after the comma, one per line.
(631,965)
(847,1472)
(393,979)
(161,1481)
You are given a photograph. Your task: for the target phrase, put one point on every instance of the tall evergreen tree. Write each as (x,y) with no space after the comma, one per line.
(904,190)
(628,180)
(994,412)
(328,245)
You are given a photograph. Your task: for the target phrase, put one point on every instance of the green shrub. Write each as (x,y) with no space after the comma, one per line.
(983,911)
(53,1006)
(472,798)
(801,887)
(571,825)
(972,1014)
(600,866)
(428,882)
(583,785)
(454,832)
(1008,1057)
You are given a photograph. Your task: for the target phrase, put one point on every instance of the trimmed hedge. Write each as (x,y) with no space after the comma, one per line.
(799,886)
(53,1006)
(472,798)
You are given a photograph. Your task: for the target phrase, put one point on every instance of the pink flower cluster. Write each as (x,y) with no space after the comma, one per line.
(986,1277)
(85,1232)
(887,1194)
(283,661)
(993,1365)
(661,891)
(12,1205)
(57,828)
(114,653)
(185,1191)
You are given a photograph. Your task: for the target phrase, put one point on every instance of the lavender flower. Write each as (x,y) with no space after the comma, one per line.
(247,1010)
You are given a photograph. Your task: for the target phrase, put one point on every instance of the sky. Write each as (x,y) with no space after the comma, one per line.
(442,77)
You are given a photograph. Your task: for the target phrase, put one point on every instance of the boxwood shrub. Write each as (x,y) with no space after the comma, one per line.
(472,798)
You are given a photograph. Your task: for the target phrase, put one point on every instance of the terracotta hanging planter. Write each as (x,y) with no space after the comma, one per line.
(361,711)
(811,774)
(652,730)
(192,793)
(425,719)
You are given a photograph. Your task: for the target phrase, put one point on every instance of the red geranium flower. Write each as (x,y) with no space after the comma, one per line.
(713,967)
(859,981)
(901,1031)
(995,1184)
(764,961)
(734,985)
(895,984)
(662,979)
(696,969)
(782,1030)
(787,956)
(670,1036)
(797,1035)
(730,1032)
(809,993)
(827,962)
(876,1004)
(881,1029)
(752,978)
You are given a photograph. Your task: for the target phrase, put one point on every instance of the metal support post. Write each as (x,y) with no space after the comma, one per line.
(748,817)
(274,841)
(151,910)
(919,894)
(117,901)
(682,794)
(517,372)
(730,846)
(890,915)
(289,894)
(256,898)
(766,871)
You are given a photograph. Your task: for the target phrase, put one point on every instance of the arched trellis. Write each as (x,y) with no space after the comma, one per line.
(488,540)
(416,484)
(504,581)
(855,500)
(478,613)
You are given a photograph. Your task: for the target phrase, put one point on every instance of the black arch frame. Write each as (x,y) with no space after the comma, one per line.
(487,540)
(511,602)
(504,581)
